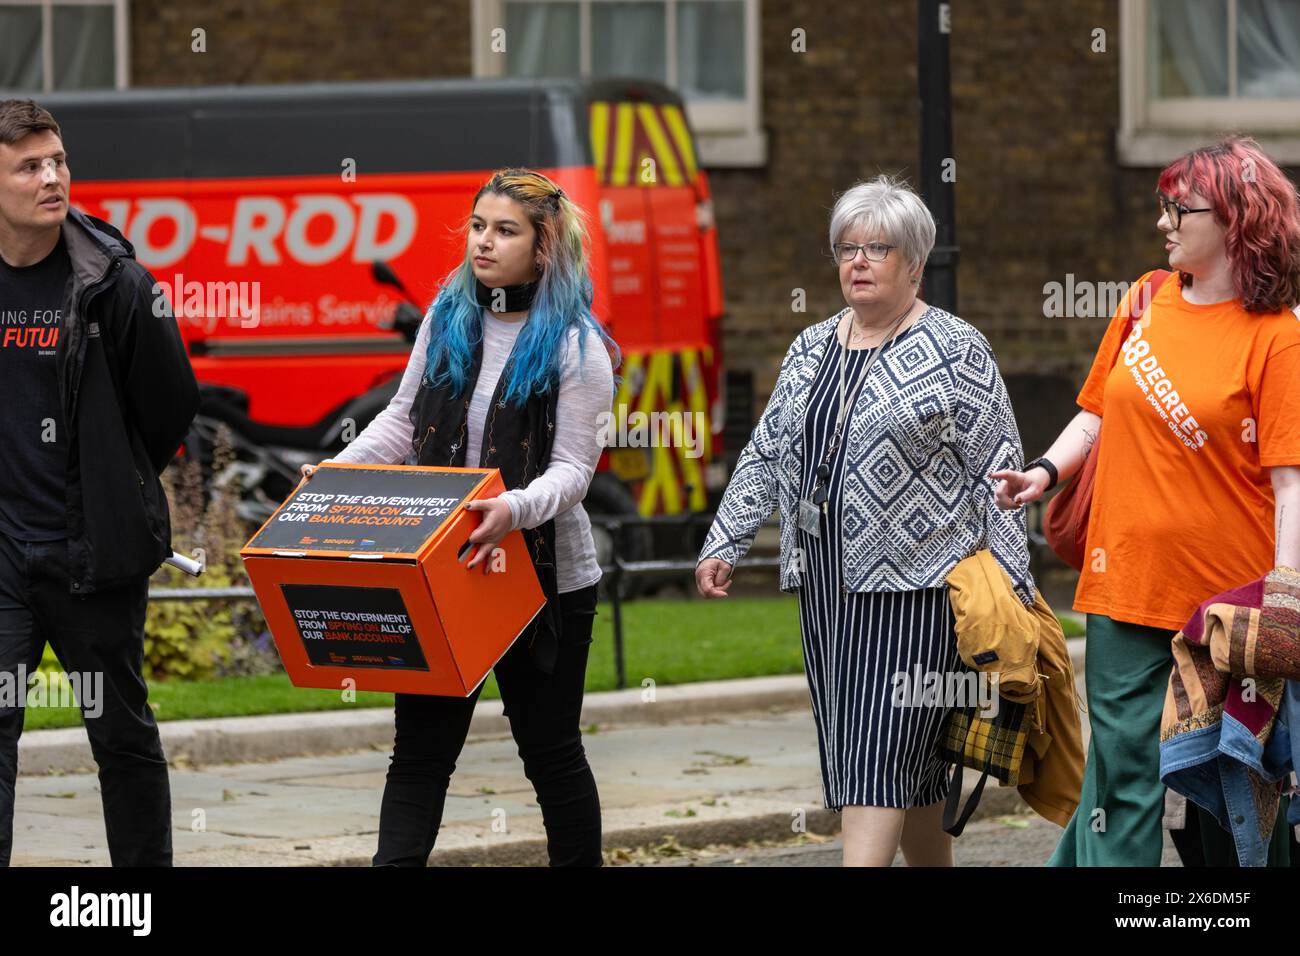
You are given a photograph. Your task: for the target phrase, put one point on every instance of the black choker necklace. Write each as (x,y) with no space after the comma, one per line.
(518,298)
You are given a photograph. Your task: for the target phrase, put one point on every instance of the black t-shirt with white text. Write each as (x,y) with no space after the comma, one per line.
(34,459)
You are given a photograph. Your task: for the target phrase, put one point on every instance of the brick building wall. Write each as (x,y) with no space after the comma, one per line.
(297,41)
(1039,194)
(1039,191)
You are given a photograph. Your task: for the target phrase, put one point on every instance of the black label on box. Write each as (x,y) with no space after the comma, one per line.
(354,627)
(366,510)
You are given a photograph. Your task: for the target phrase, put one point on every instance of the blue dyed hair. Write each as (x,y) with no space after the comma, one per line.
(563,299)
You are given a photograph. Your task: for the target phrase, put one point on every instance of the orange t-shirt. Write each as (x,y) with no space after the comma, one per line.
(1201,402)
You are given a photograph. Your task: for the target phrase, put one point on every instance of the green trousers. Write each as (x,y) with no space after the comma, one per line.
(1118,823)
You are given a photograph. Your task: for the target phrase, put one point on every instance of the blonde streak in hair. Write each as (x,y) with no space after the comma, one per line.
(555,233)
(538,188)
(574,232)
(549,241)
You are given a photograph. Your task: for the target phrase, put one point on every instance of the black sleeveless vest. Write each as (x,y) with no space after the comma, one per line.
(518,441)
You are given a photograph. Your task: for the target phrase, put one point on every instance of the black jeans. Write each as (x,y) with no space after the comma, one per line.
(543,710)
(100,635)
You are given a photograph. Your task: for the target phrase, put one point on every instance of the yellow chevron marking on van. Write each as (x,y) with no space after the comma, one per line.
(671,470)
(659,142)
(676,124)
(599,137)
(656,395)
(622,162)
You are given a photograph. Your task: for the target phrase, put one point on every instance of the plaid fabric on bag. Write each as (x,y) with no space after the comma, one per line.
(995,744)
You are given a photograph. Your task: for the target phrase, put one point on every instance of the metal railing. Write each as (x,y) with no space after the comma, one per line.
(200,594)
(618,571)
(615,573)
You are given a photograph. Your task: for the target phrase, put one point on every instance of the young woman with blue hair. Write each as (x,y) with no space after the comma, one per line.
(510,371)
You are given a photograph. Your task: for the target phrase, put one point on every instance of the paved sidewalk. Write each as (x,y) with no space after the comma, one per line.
(729,780)
(740,777)
(723,763)
(241,739)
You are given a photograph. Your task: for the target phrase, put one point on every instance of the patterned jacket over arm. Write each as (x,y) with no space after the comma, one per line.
(755,485)
(927,428)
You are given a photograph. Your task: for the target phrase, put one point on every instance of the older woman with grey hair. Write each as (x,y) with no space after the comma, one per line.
(876,447)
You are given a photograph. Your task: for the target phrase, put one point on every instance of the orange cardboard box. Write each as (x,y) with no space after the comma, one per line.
(361,574)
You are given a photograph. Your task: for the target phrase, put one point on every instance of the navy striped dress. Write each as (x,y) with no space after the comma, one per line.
(873,753)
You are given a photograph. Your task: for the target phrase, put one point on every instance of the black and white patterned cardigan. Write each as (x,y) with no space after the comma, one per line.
(930,424)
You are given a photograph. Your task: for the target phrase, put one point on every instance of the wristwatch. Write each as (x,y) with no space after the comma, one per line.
(1048,467)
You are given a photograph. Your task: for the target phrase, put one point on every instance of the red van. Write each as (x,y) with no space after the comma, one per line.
(260,209)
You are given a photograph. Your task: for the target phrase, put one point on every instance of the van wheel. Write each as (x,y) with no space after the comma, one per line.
(609,497)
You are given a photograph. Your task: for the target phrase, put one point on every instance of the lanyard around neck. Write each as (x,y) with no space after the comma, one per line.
(847,402)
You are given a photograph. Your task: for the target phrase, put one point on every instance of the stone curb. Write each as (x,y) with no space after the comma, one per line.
(281,736)
(244,739)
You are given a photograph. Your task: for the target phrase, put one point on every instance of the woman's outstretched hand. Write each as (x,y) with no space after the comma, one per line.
(1017,488)
(713,577)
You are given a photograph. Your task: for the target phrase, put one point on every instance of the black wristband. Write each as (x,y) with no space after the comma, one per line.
(1048,467)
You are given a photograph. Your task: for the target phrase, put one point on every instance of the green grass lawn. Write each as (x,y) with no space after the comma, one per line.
(667,641)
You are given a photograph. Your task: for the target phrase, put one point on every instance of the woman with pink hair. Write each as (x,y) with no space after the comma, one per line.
(1197,485)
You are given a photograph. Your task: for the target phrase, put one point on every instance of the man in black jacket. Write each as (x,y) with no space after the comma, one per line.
(96,394)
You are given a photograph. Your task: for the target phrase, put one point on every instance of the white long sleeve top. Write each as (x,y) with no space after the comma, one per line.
(586,394)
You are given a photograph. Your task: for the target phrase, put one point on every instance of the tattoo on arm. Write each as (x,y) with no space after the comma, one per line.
(1089,439)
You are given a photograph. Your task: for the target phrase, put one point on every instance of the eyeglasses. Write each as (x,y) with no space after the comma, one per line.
(848,251)
(1174,209)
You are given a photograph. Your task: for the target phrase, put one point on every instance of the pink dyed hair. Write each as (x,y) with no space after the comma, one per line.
(1260,208)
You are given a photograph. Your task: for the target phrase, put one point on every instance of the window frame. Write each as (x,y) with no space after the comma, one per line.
(1154,132)
(121,39)
(727,134)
